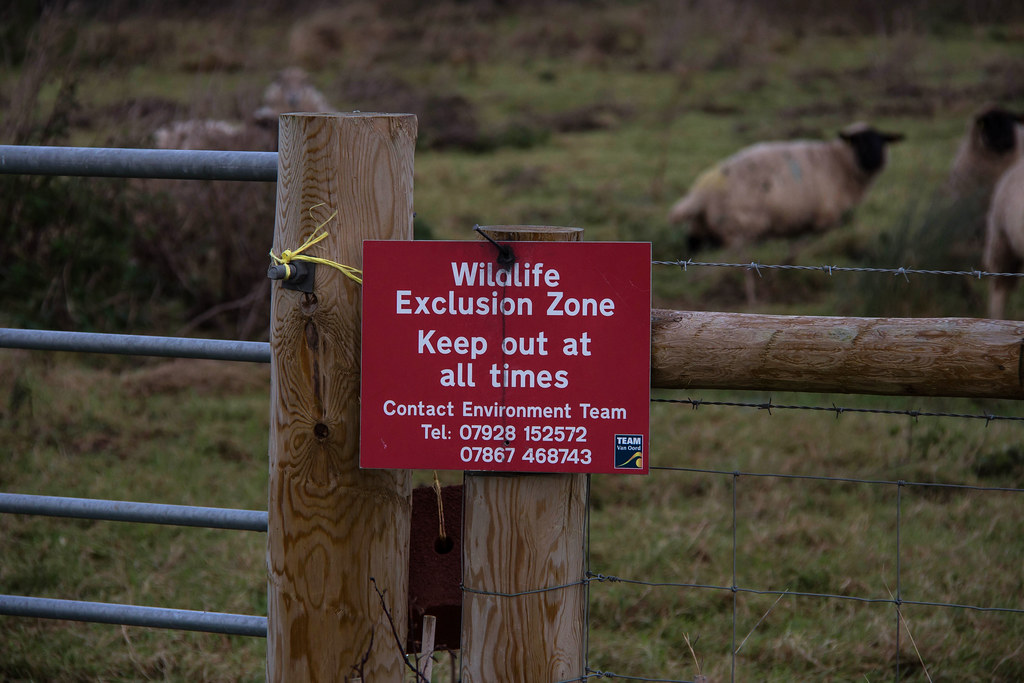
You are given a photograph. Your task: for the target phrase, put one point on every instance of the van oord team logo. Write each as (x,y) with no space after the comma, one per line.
(629,452)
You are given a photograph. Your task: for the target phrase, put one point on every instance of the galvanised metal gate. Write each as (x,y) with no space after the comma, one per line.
(136,163)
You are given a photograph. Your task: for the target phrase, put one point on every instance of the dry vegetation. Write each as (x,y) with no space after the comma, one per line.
(566,113)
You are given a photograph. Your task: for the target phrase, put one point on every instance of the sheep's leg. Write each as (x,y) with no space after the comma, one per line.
(750,286)
(1000,257)
(999,289)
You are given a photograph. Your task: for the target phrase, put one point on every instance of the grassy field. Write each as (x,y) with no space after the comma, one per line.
(554,113)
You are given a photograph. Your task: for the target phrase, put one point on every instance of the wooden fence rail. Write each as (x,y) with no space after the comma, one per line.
(962,357)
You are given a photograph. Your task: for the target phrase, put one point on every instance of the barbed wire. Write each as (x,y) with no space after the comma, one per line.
(843,480)
(902,270)
(838,410)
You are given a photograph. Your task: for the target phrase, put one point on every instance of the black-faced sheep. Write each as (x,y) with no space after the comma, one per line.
(1004,237)
(783,188)
(992,143)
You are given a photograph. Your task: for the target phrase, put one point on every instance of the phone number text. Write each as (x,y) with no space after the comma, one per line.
(537,456)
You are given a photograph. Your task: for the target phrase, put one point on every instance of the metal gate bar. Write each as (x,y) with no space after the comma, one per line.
(174,164)
(134,615)
(134,344)
(129,511)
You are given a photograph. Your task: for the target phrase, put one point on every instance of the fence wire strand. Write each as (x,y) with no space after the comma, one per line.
(845,480)
(594,673)
(769,406)
(903,271)
(603,578)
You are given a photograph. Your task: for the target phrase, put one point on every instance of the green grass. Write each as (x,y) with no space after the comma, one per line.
(162,433)
(687,94)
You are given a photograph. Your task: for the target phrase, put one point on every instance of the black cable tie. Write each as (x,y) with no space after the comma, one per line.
(506,257)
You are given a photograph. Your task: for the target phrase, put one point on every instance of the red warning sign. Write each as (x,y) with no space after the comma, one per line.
(541,366)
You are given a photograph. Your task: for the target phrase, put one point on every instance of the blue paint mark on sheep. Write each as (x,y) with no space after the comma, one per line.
(794,168)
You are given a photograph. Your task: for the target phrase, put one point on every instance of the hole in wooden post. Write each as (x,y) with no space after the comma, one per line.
(443,545)
(320,431)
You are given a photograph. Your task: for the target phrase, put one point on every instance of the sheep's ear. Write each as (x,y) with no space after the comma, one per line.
(890,138)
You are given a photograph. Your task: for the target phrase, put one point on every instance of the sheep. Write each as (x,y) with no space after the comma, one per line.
(783,188)
(291,91)
(1004,236)
(198,134)
(992,143)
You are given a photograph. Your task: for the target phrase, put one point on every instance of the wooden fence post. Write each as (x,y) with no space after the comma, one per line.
(333,526)
(522,533)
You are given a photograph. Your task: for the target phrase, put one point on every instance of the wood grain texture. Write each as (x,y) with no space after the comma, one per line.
(533,233)
(522,533)
(896,356)
(333,526)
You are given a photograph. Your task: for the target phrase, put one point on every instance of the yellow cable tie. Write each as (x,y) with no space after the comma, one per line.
(289,255)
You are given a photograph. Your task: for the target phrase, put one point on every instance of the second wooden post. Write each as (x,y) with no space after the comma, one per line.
(524,560)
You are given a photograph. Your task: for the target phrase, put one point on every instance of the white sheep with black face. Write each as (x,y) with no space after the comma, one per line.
(1004,236)
(783,188)
(994,140)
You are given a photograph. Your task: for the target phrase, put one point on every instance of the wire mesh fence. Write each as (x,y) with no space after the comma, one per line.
(778,555)
(917,589)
